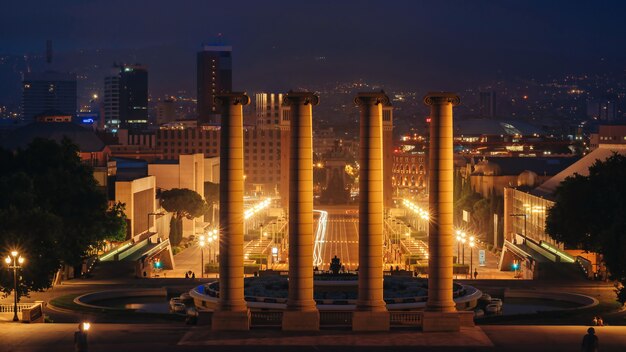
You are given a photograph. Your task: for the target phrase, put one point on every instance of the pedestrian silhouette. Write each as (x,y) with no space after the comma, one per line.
(80,339)
(475,274)
(590,341)
(193,275)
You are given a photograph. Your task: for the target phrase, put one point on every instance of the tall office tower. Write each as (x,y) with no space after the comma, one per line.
(134,96)
(46,91)
(166,111)
(268,109)
(111,101)
(126,98)
(215,76)
(487,104)
(603,109)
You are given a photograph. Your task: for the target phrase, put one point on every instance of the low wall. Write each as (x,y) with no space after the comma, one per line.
(209,300)
(584,301)
(88,299)
(34,314)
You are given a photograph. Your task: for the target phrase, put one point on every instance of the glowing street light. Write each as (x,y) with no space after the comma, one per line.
(471,257)
(14,261)
(201,244)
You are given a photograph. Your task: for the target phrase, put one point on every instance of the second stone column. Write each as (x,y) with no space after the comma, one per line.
(371,312)
(232,311)
(301,313)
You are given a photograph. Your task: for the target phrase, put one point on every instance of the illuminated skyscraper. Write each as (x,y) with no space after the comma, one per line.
(214,76)
(487,107)
(126,98)
(47,91)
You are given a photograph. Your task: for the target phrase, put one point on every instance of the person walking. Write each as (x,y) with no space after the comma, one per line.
(590,341)
(80,339)
(475,274)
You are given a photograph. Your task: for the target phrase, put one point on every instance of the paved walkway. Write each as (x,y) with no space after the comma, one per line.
(178,337)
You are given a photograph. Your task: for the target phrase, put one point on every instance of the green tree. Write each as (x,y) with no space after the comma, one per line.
(184,203)
(590,213)
(52,211)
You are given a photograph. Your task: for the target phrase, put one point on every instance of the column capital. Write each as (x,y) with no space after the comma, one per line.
(440,98)
(301,98)
(372,98)
(232,98)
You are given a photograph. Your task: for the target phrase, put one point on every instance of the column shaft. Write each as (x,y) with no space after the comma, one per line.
(440,239)
(232,312)
(301,311)
(370,296)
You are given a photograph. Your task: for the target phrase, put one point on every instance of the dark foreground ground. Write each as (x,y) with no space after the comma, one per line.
(178,337)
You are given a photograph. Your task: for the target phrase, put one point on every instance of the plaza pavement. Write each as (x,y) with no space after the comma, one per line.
(178,337)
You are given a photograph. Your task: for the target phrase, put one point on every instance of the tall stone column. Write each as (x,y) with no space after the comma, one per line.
(371,312)
(301,313)
(440,313)
(232,312)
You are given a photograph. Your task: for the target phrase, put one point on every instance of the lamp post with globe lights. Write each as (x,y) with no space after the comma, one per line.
(15,262)
(471,244)
(201,243)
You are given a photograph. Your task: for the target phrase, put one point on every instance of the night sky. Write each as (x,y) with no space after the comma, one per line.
(421,45)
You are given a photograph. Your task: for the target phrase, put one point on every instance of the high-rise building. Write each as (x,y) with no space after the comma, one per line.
(111,101)
(264,158)
(602,109)
(487,104)
(166,111)
(215,76)
(268,109)
(48,91)
(126,98)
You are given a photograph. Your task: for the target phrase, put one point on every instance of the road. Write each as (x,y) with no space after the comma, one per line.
(341,238)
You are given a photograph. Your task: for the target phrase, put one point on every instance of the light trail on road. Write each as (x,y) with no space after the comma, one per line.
(320,235)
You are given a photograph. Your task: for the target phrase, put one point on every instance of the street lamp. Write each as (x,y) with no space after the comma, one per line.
(14,261)
(274,255)
(213,238)
(201,244)
(210,240)
(525,216)
(458,246)
(471,256)
(463,254)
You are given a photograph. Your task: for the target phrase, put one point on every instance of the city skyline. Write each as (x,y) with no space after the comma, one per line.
(418,45)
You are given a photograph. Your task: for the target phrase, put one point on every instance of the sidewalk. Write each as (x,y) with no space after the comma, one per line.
(178,337)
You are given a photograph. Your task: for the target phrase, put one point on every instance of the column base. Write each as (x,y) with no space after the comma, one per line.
(294,320)
(370,321)
(441,322)
(230,321)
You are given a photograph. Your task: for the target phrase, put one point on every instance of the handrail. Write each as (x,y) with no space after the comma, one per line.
(159,247)
(8,308)
(515,248)
(122,247)
(557,252)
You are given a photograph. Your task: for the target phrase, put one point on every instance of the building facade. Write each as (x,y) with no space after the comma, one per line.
(126,98)
(262,151)
(487,104)
(48,91)
(214,75)
(409,174)
(268,109)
